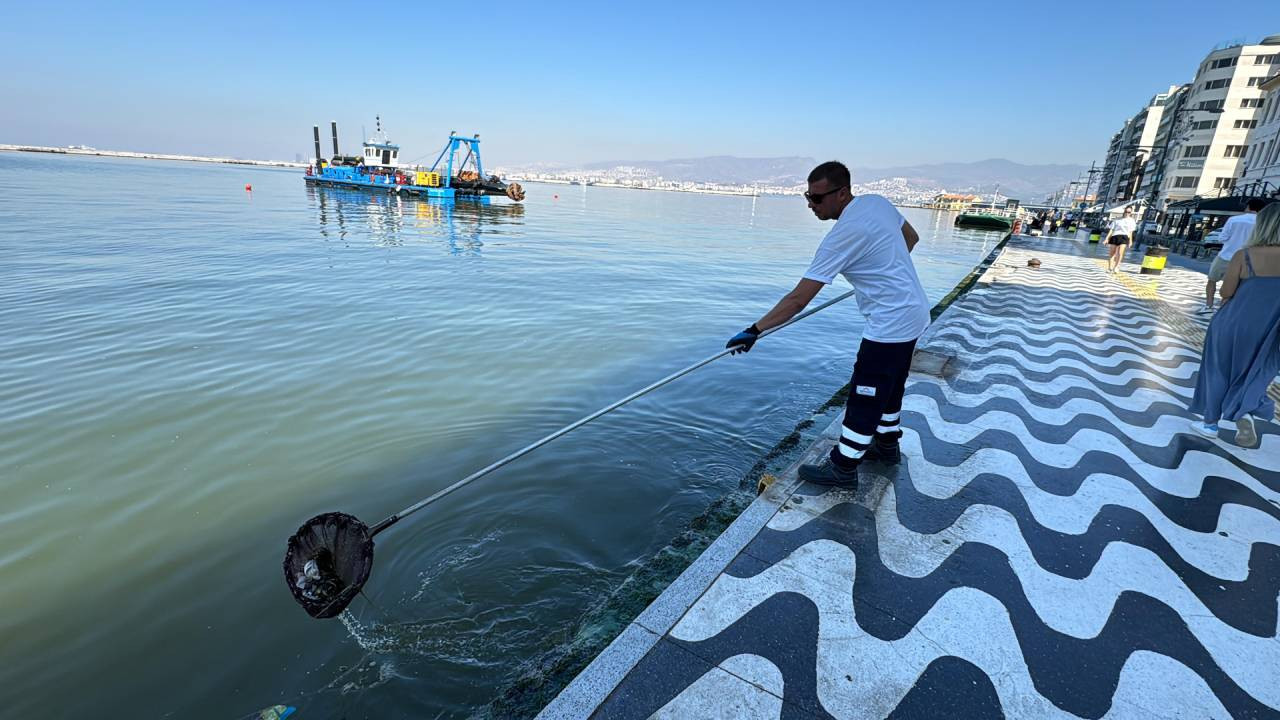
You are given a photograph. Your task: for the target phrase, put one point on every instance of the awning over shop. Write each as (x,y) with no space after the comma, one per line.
(1232,205)
(1119,209)
(1184,207)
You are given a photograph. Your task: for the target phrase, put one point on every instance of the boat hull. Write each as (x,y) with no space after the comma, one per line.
(984,222)
(389,187)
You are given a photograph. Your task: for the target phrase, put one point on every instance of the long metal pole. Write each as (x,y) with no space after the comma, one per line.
(1092,169)
(579,423)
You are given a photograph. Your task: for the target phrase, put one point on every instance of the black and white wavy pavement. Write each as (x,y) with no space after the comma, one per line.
(1056,543)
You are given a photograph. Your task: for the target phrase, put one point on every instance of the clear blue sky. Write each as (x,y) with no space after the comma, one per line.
(873,84)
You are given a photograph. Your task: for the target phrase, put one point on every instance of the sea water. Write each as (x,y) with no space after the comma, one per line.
(188,371)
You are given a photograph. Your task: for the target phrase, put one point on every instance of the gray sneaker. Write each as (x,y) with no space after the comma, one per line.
(1246,434)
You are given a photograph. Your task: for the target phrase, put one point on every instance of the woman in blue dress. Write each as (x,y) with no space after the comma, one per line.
(1242,348)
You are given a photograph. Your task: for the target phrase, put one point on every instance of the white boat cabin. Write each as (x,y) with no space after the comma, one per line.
(381,154)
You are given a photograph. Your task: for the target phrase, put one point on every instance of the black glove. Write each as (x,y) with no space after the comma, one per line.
(743,341)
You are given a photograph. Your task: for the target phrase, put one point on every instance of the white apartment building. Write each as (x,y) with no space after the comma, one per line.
(1208,127)
(1129,150)
(1109,178)
(1155,170)
(1261,175)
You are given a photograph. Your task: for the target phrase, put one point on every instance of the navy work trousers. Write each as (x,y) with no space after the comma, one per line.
(875,400)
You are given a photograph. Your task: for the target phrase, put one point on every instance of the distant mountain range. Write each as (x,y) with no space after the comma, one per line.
(1028,182)
(724,169)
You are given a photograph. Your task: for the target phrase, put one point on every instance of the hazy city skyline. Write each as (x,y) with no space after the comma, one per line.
(575,83)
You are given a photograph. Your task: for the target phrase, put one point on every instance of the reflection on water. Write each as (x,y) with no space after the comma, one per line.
(391,220)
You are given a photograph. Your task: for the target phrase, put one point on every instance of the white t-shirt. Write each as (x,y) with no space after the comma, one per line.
(1235,232)
(1124,226)
(867,247)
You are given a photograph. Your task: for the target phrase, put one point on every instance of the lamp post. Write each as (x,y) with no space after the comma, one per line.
(1093,170)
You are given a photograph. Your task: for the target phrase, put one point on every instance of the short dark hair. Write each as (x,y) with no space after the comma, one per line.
(1254,205)
(833,171)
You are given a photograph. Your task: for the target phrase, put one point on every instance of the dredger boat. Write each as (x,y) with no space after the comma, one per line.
(378,169)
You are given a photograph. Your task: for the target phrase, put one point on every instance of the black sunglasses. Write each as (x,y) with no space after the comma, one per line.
(817,198)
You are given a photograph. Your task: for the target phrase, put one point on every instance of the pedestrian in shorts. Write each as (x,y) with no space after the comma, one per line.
(1235,232)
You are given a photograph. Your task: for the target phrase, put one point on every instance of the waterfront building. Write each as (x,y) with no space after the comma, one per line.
(1129,150)
(1261,174)
(1203,135)
(1109,185)
(1152,174)
(953,201)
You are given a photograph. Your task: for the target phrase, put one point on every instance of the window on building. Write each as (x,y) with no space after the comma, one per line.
(1246,124)
(1211,105)
(1224,62)
(1204,125)
(1196,151)
(1256,81)
(1251,103)
(1222,183)
(1215,84)
(1184,181)
(1234,151)
(1266,59)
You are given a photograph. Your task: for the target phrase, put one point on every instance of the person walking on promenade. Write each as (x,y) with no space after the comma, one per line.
(1242,347)
(1234,234)
(1119,235)
(1037,224)
(870,246)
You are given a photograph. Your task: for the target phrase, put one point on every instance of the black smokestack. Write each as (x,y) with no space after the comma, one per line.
(316,130)
(333,125)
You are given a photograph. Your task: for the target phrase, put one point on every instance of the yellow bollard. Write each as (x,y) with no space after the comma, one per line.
(1153,262)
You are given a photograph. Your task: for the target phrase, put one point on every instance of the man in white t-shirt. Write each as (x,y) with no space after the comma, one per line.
(1235,233)
(870,245)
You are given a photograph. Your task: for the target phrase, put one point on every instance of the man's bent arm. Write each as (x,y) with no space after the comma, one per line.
(1229,232)
(909,234)
(789,305)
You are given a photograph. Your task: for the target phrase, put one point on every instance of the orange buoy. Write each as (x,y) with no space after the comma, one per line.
(248,187)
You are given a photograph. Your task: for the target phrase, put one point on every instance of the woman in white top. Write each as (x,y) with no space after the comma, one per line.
(1119,235)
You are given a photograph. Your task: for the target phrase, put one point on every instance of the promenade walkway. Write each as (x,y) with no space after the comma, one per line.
(1057,543)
